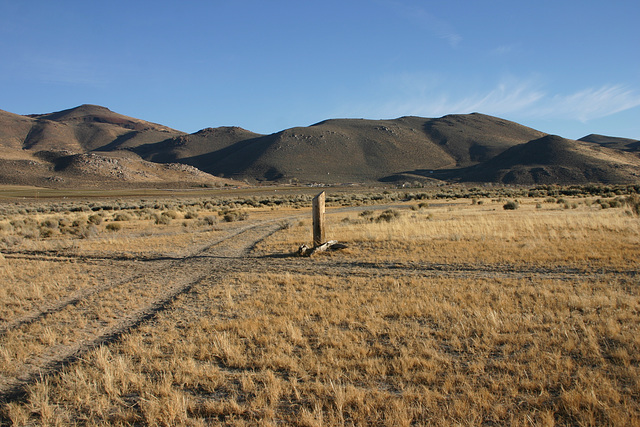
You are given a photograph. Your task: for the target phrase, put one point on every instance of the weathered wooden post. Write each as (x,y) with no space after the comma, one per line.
(319,244)
(318,219)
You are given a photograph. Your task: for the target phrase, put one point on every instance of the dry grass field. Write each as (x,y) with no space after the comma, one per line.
(441,311)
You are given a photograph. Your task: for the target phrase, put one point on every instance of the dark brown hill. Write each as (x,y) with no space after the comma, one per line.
(552,159)
(91,127)
(623,144)
(59,149)
(196,149)
(81,129)
(14,129)
(88,113)
(358,150)
(474,138)
(92,144)
(119,169)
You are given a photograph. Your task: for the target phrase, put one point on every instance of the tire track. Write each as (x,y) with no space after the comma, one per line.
(235,252)
(83,294)
(339,267)
(175,278)
(56,357)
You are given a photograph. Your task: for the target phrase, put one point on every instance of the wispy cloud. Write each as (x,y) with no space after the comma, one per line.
(63,70)
(523,99)
(440,28)
(503,50)
(503,99)
(420,16)
(590,103)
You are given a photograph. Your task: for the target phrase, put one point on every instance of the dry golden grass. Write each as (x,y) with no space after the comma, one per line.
(394,344)
(71,325)
(585,238)
(30,284)
(134,233)
(311,350)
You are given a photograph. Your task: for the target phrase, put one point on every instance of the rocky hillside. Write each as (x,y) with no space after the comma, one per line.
(92,146)
(87,146)
(552,159)
(624,144)
(345,150)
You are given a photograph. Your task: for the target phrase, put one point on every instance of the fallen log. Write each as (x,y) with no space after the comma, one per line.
(331,245)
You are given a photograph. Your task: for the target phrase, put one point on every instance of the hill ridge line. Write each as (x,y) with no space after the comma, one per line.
(471,147)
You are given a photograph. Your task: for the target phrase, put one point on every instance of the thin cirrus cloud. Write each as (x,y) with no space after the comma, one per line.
(61,70)
(524,100)
(420,17)
(591,103)
(503,49)
(501,100)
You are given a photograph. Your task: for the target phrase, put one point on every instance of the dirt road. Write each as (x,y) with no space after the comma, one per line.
(100,314)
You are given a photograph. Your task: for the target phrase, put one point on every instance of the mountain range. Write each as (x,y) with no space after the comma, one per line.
(94,147)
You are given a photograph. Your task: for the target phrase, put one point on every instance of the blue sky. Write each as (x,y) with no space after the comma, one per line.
(566,67)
